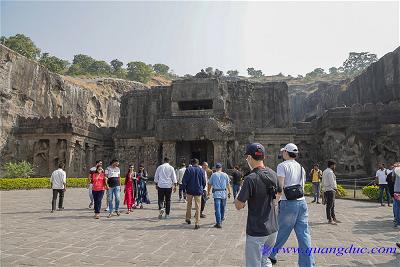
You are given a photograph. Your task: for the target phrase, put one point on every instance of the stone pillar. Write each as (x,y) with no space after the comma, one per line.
(220,152)
(53,154)
(169,151)
(69,158)
(90,160)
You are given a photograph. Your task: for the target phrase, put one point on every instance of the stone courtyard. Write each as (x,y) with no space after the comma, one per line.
(31,235)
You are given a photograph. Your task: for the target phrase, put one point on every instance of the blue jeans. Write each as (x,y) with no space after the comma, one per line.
(396,211)
(386,188)
(316,188)
(236,188)
(113,191)
(257,252)
(219,205)
(293,214)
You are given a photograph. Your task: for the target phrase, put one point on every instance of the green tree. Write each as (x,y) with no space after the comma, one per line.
(161,69)
(233,73)
(316,73)
(116,65)
(22,44)
(209,71)
(357,62)
(140,71)
(80,65)
(99,68)
(22,169)
(53,63)
(254,73)
(333,70)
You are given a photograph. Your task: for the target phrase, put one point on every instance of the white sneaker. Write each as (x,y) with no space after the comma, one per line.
(161,214)
(166,216)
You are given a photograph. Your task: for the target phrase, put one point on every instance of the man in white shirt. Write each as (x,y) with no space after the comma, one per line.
(293,210)
(182,191)
(165,179)
(329,187)
(381,175)
(58,181)
(113,175)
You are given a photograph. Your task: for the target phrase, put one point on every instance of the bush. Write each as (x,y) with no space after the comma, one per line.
(22,169)
(308,190)
(372,192)
(37,183)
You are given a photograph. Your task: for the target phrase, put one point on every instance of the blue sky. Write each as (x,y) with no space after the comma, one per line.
(289,37)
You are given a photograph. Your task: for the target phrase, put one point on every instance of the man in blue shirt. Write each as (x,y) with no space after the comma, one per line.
(194,182)
(219,182)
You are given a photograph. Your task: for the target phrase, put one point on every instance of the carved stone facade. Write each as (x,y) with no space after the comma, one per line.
(205,118)
(46,142)
(172,122)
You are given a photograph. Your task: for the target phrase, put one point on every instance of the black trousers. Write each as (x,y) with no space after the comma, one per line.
(164,194)
(203,201)
(330,205)
(98,197)
(60,199)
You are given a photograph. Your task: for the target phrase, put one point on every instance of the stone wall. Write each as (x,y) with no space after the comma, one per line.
(46,142)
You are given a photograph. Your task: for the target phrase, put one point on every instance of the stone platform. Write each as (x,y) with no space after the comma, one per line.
(31,235)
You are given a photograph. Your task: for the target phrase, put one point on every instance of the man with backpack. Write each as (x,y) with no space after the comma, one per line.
(293,210)
(258,190)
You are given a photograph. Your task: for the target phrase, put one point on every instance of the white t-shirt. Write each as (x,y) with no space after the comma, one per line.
(293,173)
(165,176)
(381,176)
(58,178)
(112,172)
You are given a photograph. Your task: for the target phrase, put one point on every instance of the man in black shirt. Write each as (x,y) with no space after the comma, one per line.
(259,189)
(236,180)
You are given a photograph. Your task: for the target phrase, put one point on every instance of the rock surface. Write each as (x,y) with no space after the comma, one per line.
(30,90)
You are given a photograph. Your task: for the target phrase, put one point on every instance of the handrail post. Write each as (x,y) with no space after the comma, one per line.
(355,185)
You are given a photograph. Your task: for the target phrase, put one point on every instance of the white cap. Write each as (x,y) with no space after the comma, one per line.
(290,148)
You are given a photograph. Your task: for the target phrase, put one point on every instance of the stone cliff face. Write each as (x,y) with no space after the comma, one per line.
(309,101)
(30,90)
(379,83)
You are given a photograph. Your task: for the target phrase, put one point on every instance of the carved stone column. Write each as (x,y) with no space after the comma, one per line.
(53,154)
(170,152)
(220,152)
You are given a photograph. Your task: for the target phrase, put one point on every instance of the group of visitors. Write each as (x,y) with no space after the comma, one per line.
(275,200)
(388,181)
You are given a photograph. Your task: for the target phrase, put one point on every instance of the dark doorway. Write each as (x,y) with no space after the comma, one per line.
(201,150)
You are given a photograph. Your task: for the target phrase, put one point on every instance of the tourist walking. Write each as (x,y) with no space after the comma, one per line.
(99,185)
(89,183)
(208,172)
(219,183)
(165,179)
(329,187)
(113,175)
(180,173)
(396,203)
(316,175)
(194,182)
(236,180)
(142,194)
(381,174)
(129,198)
(293,210)
(58,183)
(258,190)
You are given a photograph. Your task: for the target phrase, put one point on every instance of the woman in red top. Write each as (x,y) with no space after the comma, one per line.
(129,199)
(98,179)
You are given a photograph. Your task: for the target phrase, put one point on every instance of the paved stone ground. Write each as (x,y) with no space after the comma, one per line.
(31,235)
